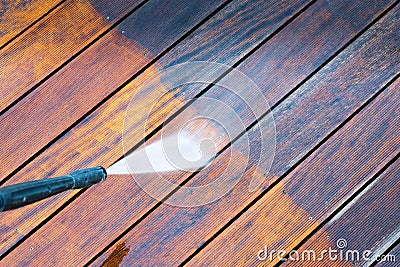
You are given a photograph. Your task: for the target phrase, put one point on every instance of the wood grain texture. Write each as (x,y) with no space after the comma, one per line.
(333,96)
(97,140)
(324,172)
(50,43)
(86,81)
(369,222)
(17,15)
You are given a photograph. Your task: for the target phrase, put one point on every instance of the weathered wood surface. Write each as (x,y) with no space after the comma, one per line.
(128,197)
(369,222)
(52,41)
(344,85)
(91,77)
(80,149)
(17,15)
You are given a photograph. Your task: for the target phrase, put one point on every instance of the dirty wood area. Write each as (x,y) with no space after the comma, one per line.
(328,69)
(377,232)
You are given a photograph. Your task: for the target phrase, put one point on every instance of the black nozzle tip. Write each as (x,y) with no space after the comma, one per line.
(88,177)
(104,172)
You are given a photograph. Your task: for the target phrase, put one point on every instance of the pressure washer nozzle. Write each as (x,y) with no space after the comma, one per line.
(88,177)
(18,195)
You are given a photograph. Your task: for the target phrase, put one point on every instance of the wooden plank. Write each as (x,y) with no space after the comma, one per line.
(91,77)
(155,239)
(131,202)
(16,16)
(369,222)
(51,42)
(102,146)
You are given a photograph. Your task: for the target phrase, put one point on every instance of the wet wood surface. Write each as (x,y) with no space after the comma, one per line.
(80,150)
(200,223)
(278,44)
(347,232)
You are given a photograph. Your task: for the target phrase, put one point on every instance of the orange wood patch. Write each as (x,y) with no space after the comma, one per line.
(85,82)
(16,15)
(48,45)
(116,257)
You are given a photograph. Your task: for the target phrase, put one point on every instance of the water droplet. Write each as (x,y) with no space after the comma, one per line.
(108,18)
(123,32)
(31,248)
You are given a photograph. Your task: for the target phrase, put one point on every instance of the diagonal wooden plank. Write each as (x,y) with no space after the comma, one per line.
(130,205)
(56,39)
(17,16)
(370,222)
(90,78)
(155,239)
(96,140)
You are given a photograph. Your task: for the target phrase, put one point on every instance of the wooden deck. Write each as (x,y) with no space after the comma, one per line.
(329,70)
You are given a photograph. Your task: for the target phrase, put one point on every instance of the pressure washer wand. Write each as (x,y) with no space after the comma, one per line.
(18,195)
